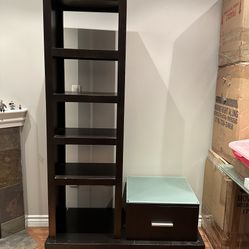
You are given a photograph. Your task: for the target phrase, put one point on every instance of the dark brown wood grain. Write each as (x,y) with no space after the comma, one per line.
(183,217)
(86,5)
(85,54)
(40,235)
(58,136)
(106,241)
(120,116)
(87,97)
(55,113)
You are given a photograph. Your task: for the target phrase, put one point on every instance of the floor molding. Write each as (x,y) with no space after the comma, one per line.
(199,221)
(36,220)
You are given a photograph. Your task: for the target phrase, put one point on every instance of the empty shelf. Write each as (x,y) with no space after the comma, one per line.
(85,174)
(86,5)
(84,220)
(90,97)
(92,136)
(85,54)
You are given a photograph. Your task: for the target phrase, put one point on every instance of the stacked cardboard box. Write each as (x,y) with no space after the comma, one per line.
(231,118)
(225,208)
(234,43)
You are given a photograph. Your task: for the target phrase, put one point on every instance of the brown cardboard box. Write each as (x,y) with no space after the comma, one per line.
(234,42)
(231,117)
(225,208)
(215,189)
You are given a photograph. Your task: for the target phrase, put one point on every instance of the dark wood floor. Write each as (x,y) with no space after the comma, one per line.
(40,235)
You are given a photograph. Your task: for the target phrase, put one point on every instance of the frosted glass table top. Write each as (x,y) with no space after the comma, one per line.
(232,174)
(159,190)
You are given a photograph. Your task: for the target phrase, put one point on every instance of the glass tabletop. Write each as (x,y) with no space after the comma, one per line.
(231,173)
(159,190)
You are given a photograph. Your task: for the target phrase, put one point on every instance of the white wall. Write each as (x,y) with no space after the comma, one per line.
(22,80)
(172,49)
(170,98)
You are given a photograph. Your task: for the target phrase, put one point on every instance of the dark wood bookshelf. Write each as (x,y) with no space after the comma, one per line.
(85,174)
(85,221)
(87,136)
(88,97)
(111,6)
(85,54)
(89,228)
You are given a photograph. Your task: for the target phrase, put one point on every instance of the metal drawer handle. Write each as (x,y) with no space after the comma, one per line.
(162,224)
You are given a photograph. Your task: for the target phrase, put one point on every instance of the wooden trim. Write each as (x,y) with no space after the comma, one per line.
(85,54)
(120,117)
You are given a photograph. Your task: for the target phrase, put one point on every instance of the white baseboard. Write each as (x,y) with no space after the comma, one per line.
(42,221)
(199,221)
(36,220)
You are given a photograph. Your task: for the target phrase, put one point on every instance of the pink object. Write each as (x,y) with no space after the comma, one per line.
(241,150)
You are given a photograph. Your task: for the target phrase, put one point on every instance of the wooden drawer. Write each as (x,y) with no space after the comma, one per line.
(162,222)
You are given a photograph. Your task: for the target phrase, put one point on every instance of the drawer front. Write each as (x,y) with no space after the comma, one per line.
(162,222)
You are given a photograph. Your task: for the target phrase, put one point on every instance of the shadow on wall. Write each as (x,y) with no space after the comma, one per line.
(144,111)
(168,125)
(36,173)
(25,130)
(190,100)
(42,151)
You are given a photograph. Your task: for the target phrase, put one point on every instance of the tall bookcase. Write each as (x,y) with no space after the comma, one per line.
(97,228)
(82,221)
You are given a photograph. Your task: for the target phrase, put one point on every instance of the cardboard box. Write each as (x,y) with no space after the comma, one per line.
(217,187)
(231,116)
(234,40)
(225,208)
